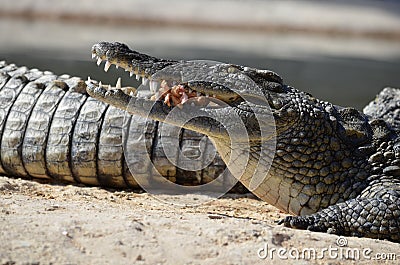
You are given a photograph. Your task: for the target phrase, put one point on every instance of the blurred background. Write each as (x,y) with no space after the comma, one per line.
(343,51)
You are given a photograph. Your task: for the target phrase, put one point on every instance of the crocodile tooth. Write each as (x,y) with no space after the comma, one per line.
(131,94)
(153,86)
(118,84)
(109,87)
(89,79)
(184,98)
(130,73)
(137,77)
(116,66)
(94,55)
(100,84)
(190,90)
(107,66)
(144,81)
(99,60)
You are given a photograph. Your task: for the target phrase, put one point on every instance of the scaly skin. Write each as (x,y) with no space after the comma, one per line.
(336,168)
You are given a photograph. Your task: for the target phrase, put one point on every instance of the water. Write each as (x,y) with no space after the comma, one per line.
(344,71)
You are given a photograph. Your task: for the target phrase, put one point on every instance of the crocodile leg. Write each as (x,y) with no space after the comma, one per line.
(362,217)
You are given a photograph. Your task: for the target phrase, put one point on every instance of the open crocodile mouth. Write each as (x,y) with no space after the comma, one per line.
(161,87)
(211,97)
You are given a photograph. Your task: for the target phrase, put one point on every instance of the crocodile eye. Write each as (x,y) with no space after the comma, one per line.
(273,86)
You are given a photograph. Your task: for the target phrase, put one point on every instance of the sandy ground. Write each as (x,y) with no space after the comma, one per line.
(57,224)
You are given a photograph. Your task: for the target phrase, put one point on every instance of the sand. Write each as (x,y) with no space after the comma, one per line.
(66,224)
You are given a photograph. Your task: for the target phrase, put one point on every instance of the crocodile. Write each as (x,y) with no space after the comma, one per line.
(335,169)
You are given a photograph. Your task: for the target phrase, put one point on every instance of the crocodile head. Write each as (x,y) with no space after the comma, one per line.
(215,90)
(292,140)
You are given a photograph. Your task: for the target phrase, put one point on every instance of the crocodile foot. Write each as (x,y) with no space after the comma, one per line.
(362,217)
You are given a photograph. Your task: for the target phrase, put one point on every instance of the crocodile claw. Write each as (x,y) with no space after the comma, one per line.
(302,222)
